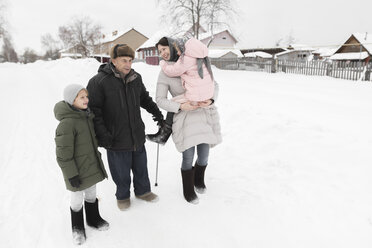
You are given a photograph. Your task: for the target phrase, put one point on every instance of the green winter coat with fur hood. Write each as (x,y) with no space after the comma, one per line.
(76,147)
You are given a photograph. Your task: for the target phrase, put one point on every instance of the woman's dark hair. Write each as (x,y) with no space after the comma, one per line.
(163,41)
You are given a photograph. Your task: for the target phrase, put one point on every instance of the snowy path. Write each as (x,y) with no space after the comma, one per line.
(294,169)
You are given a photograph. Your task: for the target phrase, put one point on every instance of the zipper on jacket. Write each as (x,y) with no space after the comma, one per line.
(130,123)
(121,99)
(134,97)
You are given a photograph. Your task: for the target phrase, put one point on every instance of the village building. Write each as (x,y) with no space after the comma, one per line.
(296,52)
(101,51)
(223,45)
(222,39)
(358,47)
(323,53)
(269,50)
(131,37)
(147,52)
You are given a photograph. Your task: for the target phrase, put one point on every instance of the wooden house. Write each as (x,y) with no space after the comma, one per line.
(101,52)
(358,47)
(131,37)
(147,52)
(223,45)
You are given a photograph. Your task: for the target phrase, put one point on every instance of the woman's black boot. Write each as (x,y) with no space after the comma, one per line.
(199,179)
(188,186)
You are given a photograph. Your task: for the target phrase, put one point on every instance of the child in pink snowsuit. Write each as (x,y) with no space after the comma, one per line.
(196,78)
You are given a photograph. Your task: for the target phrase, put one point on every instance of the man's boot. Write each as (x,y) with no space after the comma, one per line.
(162,135)
(78,229)
(93,217)
(199,179)
(188,186)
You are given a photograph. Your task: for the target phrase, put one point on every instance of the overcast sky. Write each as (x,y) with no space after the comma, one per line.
(260,23)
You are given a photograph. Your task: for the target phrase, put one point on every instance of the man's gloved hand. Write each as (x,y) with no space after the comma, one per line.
(159,120)
(74,181)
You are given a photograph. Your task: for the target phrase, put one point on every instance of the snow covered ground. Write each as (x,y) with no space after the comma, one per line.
(294,169)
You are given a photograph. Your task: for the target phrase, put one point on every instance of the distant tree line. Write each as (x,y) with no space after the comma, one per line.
(7,53)
(81,33)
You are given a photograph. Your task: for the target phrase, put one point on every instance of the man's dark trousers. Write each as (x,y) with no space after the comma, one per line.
(121,163)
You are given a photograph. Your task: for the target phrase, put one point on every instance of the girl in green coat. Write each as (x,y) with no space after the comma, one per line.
(79,159)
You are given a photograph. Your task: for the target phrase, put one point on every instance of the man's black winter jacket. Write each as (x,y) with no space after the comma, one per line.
(116,103)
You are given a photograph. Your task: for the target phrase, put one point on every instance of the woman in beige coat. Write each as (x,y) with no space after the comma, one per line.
(193,126)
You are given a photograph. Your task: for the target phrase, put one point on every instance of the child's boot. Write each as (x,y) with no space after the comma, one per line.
(78,229)
(162,135)
(93,217)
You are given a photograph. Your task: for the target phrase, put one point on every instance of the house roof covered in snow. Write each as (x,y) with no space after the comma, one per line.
(217,53)
(154,39)
(300,47)
(258,54)
(294,51)
(365,39)
(215,32)
(115,35)
(349,56)
(325,51)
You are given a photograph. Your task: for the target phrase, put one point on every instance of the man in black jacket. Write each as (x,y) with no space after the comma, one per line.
(116,95)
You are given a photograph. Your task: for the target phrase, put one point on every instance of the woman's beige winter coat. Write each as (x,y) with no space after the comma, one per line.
(190,128)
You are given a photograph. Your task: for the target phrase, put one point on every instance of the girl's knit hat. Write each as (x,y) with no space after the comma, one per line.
(71,91)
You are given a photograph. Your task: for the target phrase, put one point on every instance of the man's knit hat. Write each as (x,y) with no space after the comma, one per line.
(71,91)
(120,50)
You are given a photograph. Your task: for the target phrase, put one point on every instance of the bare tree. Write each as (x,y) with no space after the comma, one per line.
(29,56)
(2,19)
(51,45)
(183,14)
(286,41)
(218,9)
(81,34)
(8,53)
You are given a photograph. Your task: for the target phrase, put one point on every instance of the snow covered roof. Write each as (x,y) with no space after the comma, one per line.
(349,56)
(114,35)
(325,51)
(217,53)
(291,51)
(215,32)
(258,54)
(365,39)
(154,39)
(301,47)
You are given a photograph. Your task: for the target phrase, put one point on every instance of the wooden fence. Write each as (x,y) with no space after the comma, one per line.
(339,69)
